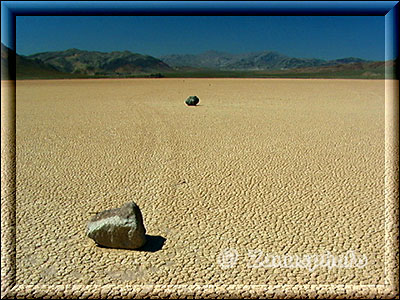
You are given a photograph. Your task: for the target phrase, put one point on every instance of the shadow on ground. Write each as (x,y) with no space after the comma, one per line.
(154,243)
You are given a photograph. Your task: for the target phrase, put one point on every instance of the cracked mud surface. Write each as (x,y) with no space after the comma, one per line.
(285,167)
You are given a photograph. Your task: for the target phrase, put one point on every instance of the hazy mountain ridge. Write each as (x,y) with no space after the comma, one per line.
(14,65)
(100,63)
(7,63)
(74,63)
(265,60)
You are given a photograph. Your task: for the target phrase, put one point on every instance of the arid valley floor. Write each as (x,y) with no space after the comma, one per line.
(280,166)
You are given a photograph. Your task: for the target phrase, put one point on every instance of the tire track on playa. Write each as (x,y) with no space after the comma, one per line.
(178,181)
(185,176)
(157,137)
(166,211)
(159,144)
(164,145)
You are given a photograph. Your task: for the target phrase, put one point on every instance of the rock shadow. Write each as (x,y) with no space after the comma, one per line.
(154,243)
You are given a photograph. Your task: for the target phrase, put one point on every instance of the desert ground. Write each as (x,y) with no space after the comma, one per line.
(260,168)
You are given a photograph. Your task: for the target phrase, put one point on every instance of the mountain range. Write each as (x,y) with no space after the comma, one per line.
(75,63)
(100,63)
(17,66)
(265,60)
(125,63)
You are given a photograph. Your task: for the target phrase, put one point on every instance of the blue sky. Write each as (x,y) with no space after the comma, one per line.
(326,37)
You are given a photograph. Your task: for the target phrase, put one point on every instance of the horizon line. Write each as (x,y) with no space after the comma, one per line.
(199,53)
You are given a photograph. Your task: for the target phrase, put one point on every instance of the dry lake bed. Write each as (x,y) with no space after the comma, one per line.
(265,182)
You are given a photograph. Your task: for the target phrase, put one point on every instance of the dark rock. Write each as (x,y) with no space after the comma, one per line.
(118,228)
(192,100)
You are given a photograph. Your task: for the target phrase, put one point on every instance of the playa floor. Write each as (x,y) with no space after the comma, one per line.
(263,172)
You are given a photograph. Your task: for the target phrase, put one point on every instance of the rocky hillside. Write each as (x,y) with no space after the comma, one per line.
(74,63)
(101,63)
(16,66)
(266,60)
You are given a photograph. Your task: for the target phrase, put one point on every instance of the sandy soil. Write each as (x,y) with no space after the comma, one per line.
(283,167)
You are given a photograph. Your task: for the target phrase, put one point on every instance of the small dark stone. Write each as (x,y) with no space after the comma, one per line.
(192,101)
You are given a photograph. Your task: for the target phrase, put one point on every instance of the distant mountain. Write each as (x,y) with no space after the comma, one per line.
(209,59)
(74,63)
(100,63)
(366,69)
(16,66)
(266,60)
(7,63)
(347,60)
